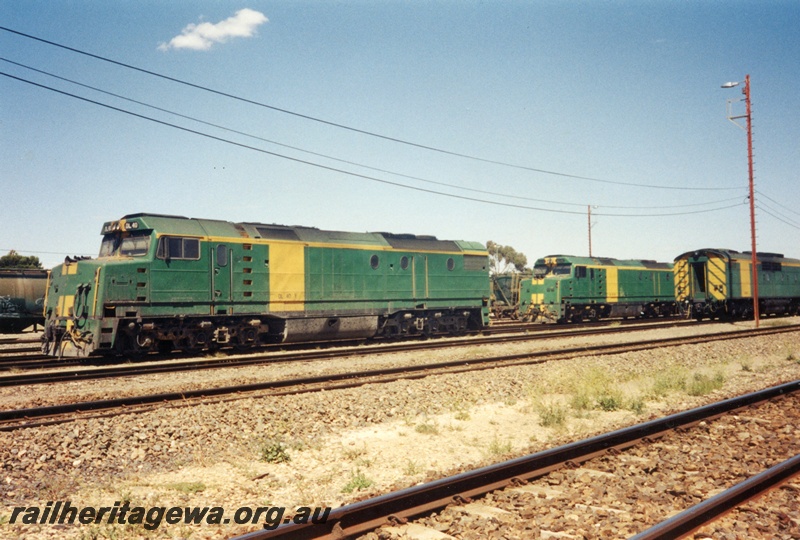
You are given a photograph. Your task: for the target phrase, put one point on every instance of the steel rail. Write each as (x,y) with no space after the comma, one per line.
(34,417)
(14,340)
(709,510)
(12,350)
(369,514)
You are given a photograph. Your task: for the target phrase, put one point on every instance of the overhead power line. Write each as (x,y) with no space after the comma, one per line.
(342,171)
(357,130)
(417,178)
(793,211)
(777,215)
(793,225)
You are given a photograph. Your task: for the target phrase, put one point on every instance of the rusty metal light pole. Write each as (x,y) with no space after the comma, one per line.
(749,129)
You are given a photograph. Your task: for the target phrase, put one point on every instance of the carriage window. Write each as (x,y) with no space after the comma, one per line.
(565,270)
(580,271)
(374,262)
(404,262)
(133,245)
(451,263)
(191,248)
(222,255)
(178,248)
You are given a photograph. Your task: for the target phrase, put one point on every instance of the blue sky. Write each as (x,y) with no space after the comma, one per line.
(621,100)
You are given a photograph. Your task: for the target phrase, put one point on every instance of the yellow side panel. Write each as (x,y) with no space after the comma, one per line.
(612,284)
(96,290)
(287,280)
(65,304)
(681,271)
(744,274)
(717,278)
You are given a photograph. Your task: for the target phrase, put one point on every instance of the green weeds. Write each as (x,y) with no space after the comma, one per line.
(273,451)
(427,428)
(358,481)
(551,414)
(702,384)
(187,487)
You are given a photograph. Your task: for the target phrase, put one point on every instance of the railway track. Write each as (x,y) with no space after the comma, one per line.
(56,414)
(509,484)
(711,509)
(175,366)
(31,357)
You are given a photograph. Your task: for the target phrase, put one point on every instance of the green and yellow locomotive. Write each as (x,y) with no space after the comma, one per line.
(717,284)
(165,282)
(574,289)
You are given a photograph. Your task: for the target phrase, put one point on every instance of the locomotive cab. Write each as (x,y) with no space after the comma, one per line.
(540,297)
(80,311)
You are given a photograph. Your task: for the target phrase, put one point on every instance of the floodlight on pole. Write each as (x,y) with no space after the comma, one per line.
(749,129)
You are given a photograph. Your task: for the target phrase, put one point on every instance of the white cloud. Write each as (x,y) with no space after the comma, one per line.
(201,37)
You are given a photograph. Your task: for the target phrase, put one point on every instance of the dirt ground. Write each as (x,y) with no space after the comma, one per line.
(332,448)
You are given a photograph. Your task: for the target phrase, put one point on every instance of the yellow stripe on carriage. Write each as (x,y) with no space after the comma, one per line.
(612,284)
(746,280)
(287,280)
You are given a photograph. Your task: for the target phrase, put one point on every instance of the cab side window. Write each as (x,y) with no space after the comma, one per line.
(177,248)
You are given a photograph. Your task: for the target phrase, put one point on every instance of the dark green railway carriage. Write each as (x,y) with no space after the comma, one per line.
(21,298)
(572,289)
(166,282)
(717,283)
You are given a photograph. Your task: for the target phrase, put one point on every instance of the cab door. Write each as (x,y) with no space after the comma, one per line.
(179,275)
(221,278)
(419,270)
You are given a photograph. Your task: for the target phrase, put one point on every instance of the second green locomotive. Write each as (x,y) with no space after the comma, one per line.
(164,282)
(573,289)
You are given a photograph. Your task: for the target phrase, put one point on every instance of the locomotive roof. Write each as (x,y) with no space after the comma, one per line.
(603,261)
(732,254)
(167,224)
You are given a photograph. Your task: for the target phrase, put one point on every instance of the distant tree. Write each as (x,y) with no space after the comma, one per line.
(15,260)
(505,258)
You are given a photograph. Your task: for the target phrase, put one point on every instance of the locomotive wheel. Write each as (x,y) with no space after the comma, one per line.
(193,342)
(246,338)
